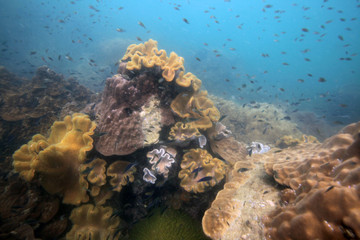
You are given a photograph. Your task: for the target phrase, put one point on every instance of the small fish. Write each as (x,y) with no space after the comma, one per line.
(205,179)
(338,122)
(139,39)
(68,58)
(300,80)
(285,64)
(329,188)
(242,169)
(120,30)
(307,59)
(305,30)
(141,24)
(281,89)
(343,105)
(186,21)
(59,57)
(341,38)
(321,79)
(198,59)
(287,118)
(268,6)
(99,134)
(197,170)
(32,52)
(129,166)
(250,151)
(222,117)
(93,8)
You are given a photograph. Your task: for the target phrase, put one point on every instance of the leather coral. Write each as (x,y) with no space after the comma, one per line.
(56,160)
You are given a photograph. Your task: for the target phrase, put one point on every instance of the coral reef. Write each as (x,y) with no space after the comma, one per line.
(93,222)
(322,201)
(31,106)
(199,171)
(57,159)
(167,224)
(290,141)
(96,176)
(121,173)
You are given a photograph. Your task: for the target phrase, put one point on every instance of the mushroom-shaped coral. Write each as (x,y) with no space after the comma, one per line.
(93,222)
(96,176)
(161,161)
(181,132)
(57,159)
(121,173)
(199,170)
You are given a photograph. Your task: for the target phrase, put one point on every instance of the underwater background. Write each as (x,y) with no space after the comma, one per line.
(300,54)
(97,144)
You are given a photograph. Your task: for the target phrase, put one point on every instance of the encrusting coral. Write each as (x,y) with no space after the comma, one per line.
(57,159)
(323,198)
(121,173)
(199,171)
(93,222)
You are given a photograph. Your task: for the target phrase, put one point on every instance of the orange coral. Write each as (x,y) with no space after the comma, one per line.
(121,173)
(93,222)
(57,159)
(183,131)
(199,170)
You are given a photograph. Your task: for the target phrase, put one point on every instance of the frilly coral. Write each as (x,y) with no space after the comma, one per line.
(57,159)
(196,106)
(145,54)
(187,80)
(93,222)
(161,161)
(121,173)
(170,67)
(199,170)
(182,132)
(96,176)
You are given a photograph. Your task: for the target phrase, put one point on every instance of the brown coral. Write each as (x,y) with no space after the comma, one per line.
(199,171)
(93,222)
(57,159)
(324,180)
(121,173)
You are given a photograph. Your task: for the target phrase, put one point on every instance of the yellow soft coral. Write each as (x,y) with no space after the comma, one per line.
(187,80)
(57,159)
(170,67)
(199,170)
(183,131)
(196,106)
(93,222)
(96,176)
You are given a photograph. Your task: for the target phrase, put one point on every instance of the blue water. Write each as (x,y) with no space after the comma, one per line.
(260,44)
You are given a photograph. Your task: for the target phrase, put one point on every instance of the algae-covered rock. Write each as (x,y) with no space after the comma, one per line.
(167,225)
